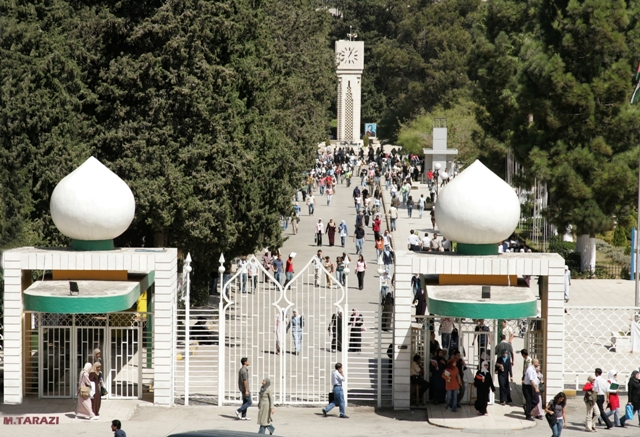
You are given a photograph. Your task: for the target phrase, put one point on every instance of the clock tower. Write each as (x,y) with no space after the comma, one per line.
(349,67)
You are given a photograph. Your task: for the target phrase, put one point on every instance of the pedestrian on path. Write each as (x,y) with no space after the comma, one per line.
(329,195)
(633,389)
(116,427)
(277,267)
(379,249)
(483,383)
(337,379)
(377,223)
(505,375)
(601,386)
(331,231)
(277,330)
(387,257)
(288,271)
(421,203)
(361,266)
(266,263)
(358,237)
(567,282)
(409,205)
(319,232)
(296,323)
(329,268)
(356,321)
(335,328)
(83,406)
(590,399)
(555,410)
(265,407)
(317,262)
(243,386)
(311,203)
(343,232)
(530,389)
(393,217)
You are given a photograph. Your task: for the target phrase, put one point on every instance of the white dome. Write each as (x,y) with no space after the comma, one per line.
(92,203)
(477,207)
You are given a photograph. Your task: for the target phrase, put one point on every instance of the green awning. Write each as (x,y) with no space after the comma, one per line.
(94,297)
(466,301)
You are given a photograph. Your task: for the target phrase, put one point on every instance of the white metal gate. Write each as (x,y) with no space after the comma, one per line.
(65,342)
(255,325)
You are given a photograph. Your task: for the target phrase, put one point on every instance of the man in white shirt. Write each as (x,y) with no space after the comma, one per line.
(337,379)
(393,215)
(601,386)
(426,242)
(446,328)
(435,245)
(530,388)
(446,244)
(413,242)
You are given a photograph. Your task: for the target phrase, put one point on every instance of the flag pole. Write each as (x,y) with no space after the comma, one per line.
(637,250)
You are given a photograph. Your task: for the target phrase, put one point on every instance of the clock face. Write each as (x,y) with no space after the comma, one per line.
(348,55)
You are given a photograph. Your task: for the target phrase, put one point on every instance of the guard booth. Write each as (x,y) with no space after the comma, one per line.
(476,211)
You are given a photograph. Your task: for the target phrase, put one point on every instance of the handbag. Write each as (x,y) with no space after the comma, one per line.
(551,419)
(331,397)
(85,391)
(103,391)
(92,392)
(629,411)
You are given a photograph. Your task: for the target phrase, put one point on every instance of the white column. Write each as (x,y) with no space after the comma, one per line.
(13,311)
(402,334)
(164,338)
(555,329)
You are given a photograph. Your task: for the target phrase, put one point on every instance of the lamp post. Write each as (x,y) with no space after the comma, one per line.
(187,324)
(221,333)
(436,175)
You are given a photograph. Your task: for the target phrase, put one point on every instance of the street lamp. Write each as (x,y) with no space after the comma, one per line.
(436,174)
(187,316)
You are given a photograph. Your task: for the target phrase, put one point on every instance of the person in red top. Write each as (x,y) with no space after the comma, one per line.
(288,270)
(590,403)
(452,383)
(376,227)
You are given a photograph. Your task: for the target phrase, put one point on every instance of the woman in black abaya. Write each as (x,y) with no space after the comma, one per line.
(483,383)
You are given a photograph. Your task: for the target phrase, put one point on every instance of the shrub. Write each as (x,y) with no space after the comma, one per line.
(562,248)
(619,237)
(365,141)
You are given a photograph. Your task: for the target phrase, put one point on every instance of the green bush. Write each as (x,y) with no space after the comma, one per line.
(562,248)
(365,141)
(620,237)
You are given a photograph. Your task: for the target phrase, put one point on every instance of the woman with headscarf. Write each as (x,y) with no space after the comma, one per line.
(355,337)
(277,328)
(633,389)
(342,230)
(614,399)
(437,365)
(505,375)
(387,257)
(421,304)
(94,376)
(331,230)
(483,383)
(83,405)
(265,407)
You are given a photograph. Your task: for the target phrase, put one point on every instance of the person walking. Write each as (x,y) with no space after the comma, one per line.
(505,375)
(94,377)
(277,267)
(633,390)
(614,399)
(335,328)
(267,264)
(567,282)
(265,407)
(277,330)
(337,379)
(452,385)
(253,268)
(409,205)
(243,386)
(601,386)
(555,410)
(356,321)
(483,383)
(319,232)
(296,323)
(421,204)
(116,427)
(311,203)
(358,237)
(393,216)
(590,402)
(329,268)
(361,266)
(377,224)
(331,231)
(343,232)
(244,273)
(83,406)
(530,389)
(288,270)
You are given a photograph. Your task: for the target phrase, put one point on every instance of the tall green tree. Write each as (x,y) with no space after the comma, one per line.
(560,88)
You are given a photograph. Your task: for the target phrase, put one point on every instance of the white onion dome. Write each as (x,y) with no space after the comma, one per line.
(92,203)
(477,207)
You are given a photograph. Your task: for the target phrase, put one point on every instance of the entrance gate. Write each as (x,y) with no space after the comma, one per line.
(65,342)
(256,323)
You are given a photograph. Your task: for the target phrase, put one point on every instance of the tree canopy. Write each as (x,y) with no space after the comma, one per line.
(202,107)
(556,89)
